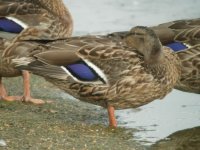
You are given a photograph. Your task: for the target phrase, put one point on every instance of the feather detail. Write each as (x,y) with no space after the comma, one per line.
(12,25)
(85,71)
(177,46)
(97,70)
(183,36)
(23,61)
(22,24)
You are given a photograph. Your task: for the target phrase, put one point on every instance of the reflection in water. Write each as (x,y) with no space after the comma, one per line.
(188,139)
(157,120)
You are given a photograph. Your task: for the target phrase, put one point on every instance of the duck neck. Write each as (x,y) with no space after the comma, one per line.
(159,69)
(168,67)
(56,7)
(154,55)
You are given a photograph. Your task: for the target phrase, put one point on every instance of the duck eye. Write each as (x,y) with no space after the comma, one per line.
(11,26)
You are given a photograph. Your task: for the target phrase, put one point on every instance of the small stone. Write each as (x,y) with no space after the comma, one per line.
(2,143)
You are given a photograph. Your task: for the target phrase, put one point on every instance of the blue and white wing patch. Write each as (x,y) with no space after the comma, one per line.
(177,46)
(85,71)
(11,25)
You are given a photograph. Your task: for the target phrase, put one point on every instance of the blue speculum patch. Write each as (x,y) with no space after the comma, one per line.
(9,26)
(82,71)
(177,46)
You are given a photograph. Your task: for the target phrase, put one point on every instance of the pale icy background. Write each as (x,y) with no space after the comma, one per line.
(160,118)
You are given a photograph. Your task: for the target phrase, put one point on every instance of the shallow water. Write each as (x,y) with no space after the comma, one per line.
(113,15)
(160,118)
(157,120)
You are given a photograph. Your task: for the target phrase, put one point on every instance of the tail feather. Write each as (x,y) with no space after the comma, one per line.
(23,61)
(40,68)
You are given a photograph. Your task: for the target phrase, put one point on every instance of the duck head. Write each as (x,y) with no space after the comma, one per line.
(146,42)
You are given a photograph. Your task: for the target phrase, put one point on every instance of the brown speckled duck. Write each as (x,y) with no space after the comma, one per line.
(99,70)
(22,20)
(183,37)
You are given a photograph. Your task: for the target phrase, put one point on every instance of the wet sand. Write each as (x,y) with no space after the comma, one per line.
(73,125)
(63,124)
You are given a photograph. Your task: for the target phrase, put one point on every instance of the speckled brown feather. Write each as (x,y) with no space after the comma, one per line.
(188,32)
(130,81)
(46,19)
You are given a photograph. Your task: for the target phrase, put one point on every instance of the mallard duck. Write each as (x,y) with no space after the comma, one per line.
(183,37)
(28,20)
(99,70)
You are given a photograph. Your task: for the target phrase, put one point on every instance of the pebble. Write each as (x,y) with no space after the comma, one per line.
(2,143)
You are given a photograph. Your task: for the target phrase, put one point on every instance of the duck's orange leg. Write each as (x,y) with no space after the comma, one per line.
(3,93)
(27,94)
(111,115)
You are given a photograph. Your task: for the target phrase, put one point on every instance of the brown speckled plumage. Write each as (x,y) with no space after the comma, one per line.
(187,32)
(47,20)
(133,78)
(44,20)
